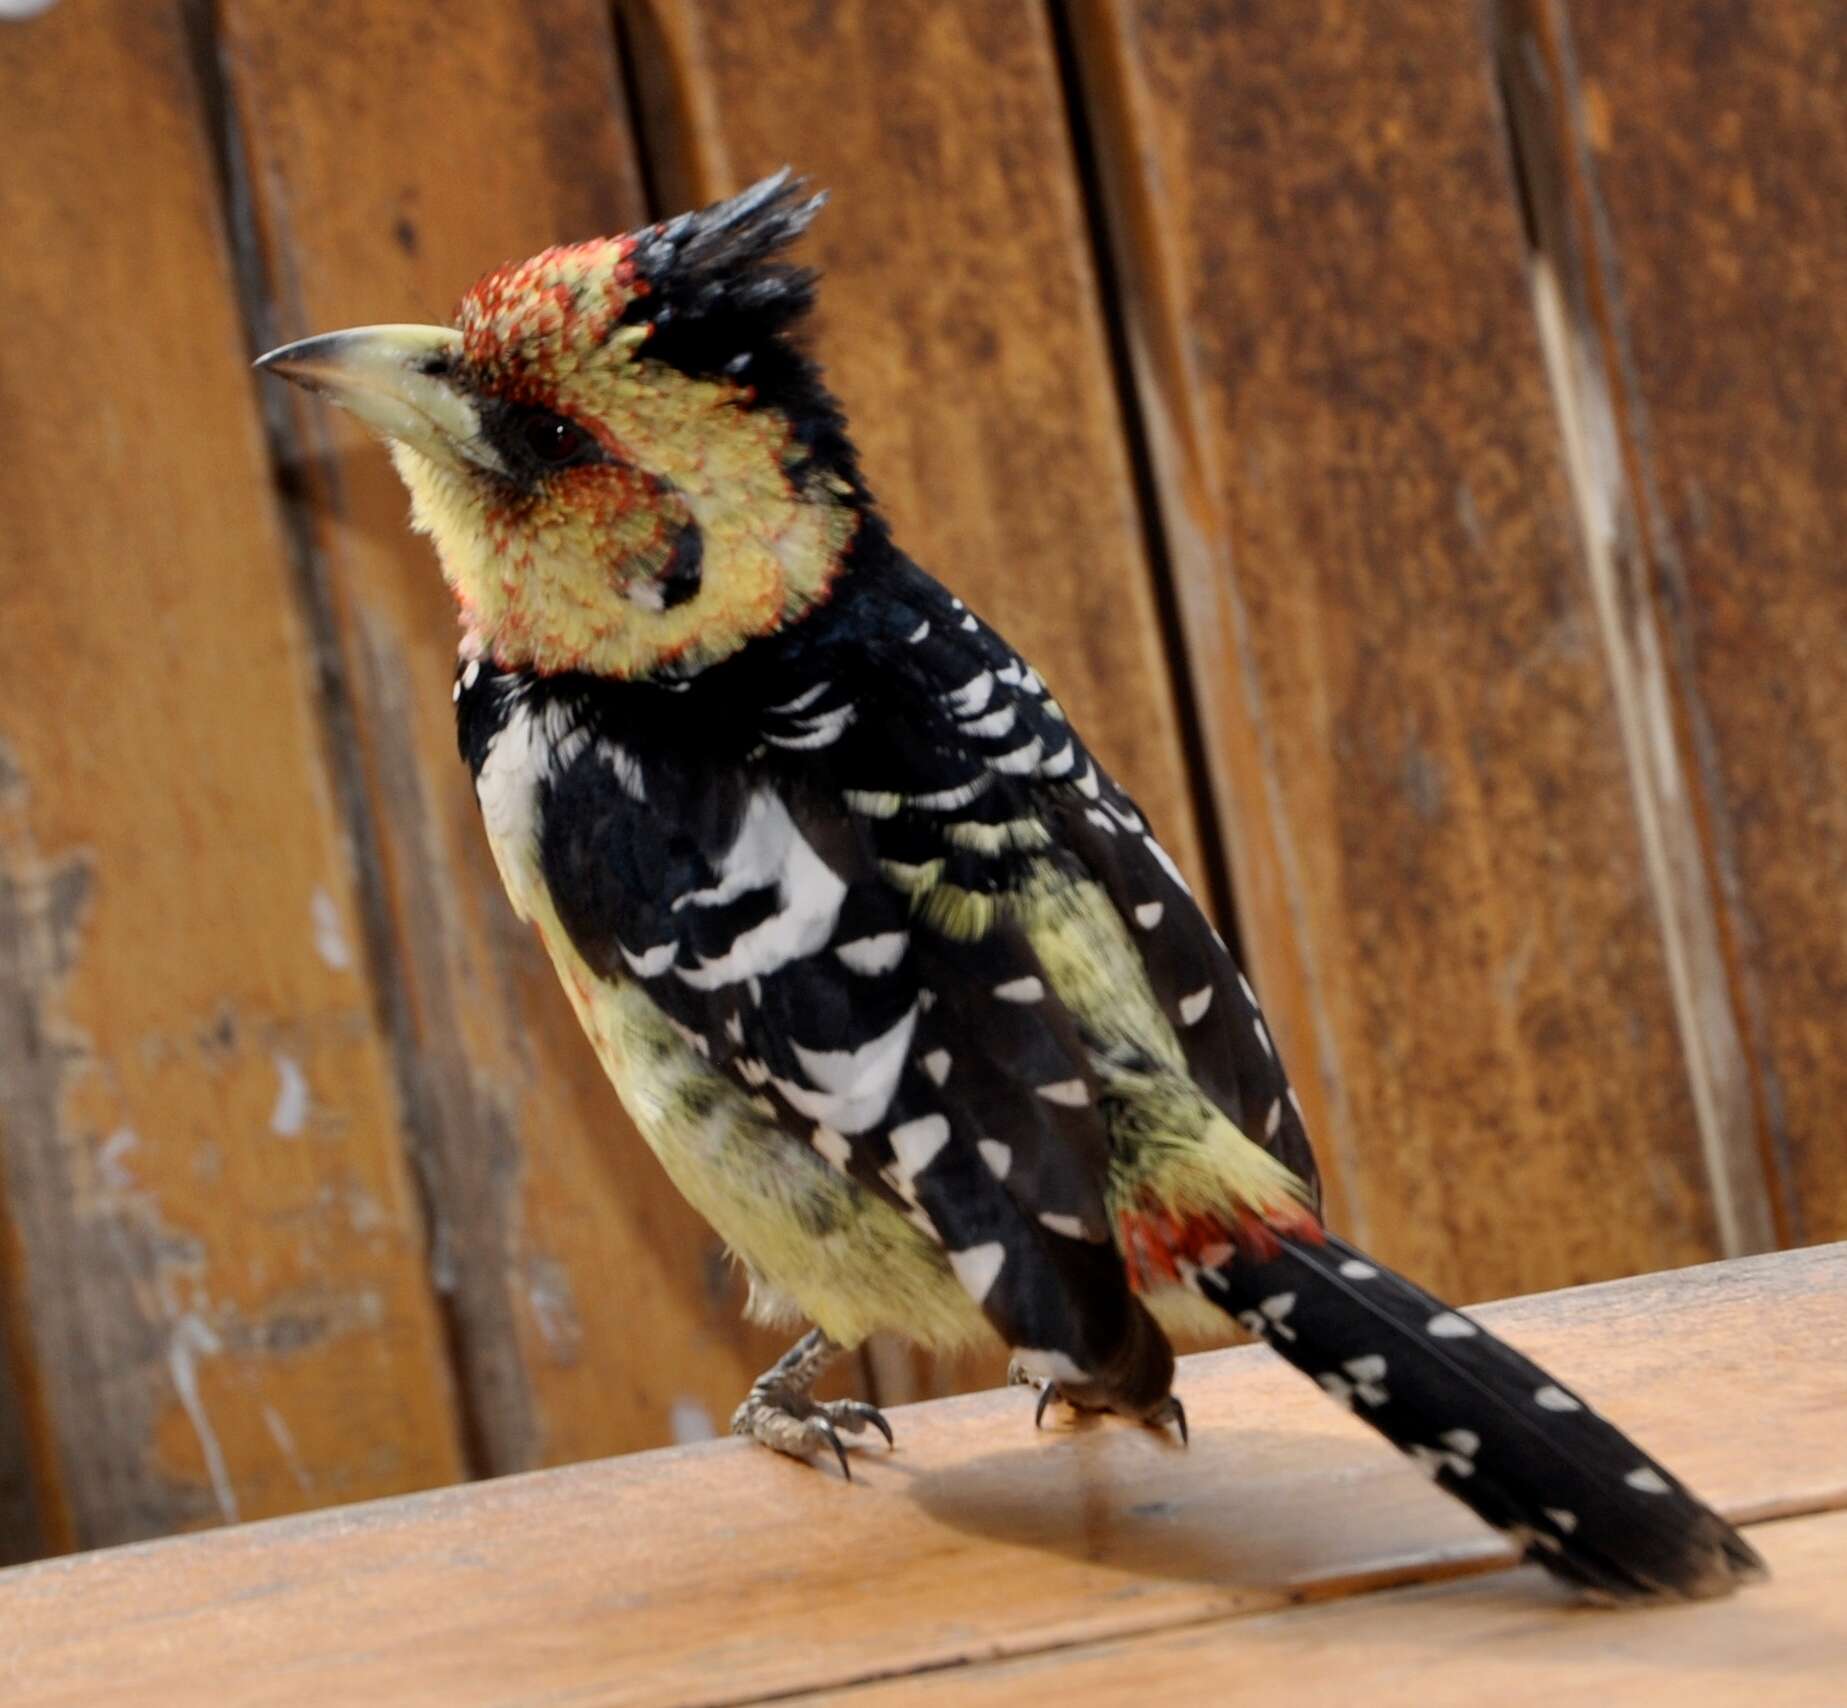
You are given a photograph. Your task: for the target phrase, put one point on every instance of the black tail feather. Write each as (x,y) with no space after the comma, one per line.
(1488,1425)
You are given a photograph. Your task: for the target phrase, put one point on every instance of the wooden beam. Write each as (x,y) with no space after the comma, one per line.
(720,1573)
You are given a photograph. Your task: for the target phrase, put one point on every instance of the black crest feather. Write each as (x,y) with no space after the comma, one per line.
(714,275)
(723,302)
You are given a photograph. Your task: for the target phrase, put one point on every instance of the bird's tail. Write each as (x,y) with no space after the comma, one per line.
(1486,1424)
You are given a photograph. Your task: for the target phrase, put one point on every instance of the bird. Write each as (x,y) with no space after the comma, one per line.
(892,976)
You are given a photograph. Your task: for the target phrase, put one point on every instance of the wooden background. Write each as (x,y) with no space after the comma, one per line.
(1409,437)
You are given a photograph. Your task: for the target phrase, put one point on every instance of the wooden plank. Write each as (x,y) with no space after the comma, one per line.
(1569,306)
(1706,152)
(1506,1640)
(720,1574)
(1439,870)
(221,1263)
(961,326)
(594,1312)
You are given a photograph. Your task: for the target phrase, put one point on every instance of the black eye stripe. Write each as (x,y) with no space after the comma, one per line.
(539,441)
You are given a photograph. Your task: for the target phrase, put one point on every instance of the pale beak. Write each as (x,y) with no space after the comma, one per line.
(396,379)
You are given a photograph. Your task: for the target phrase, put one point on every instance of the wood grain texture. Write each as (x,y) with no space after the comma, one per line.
(217,1254)
(1709,146)
(591,1308)
(1510,1639)
(721,1574)
(1439,871)
(1572,310)
(959,322)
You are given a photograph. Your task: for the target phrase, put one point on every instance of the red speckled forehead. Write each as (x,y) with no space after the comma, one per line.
(532,320)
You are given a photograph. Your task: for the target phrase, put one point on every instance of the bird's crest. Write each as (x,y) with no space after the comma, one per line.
(721,263)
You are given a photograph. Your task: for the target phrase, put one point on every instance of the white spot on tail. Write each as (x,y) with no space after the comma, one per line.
(1070,1227)
(1648,1480)
(1193,1008)
(1148,915)
(1027,989)
(1355,1270)
(1072,1093)
(1446,1325)
(937,1065)
(1554,1398)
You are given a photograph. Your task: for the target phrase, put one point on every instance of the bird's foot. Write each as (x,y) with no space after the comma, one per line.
(1169,1411)
(783,1418)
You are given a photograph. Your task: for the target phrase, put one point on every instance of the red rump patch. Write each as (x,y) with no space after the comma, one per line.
(1155,1242)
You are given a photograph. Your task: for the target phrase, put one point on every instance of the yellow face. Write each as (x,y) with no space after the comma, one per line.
(594,509)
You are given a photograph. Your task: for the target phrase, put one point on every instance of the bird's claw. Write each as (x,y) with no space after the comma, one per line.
(1169,1411)
(792,1423)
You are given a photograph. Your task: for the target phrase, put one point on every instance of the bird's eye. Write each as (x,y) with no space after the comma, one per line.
(553,440)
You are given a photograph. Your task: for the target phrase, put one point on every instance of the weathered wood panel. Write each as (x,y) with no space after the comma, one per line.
(960,322)
(1440,876)
(715,1574)
(1569,305)
(593,1312)
(217,1249)
(1708,147)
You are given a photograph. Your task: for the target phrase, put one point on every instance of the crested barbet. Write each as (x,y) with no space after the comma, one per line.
(894,979)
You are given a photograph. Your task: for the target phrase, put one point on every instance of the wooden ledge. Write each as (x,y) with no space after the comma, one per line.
(1081,1558)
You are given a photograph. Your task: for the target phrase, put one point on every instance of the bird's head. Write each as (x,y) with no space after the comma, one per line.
(627,466)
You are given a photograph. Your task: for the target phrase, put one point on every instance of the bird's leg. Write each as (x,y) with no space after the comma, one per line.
(778,1412)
